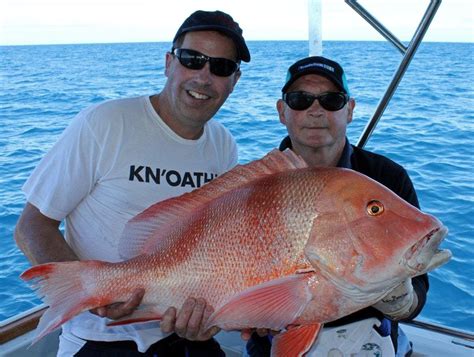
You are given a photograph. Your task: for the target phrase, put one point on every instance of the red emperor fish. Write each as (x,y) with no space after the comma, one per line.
(270,244)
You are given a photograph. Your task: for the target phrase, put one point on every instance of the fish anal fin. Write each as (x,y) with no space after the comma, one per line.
(296,341)
(145,314)
(273,305)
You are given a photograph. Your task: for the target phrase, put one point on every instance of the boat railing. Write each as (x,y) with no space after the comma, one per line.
(407,51)
(466,335)
(27,321)
(20,324)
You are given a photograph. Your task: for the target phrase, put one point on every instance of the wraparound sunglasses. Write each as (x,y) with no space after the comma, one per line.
(192,59)
(331,101)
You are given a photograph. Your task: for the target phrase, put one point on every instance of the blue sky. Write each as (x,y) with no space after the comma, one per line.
(98,21)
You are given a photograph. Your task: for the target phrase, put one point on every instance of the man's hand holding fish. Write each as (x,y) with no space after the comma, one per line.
(190,322)
(399,302)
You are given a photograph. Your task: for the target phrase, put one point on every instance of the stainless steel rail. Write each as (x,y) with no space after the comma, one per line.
(465,335)
(408,53)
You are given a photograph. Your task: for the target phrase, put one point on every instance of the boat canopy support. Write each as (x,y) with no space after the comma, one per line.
(315,28)
(407,51)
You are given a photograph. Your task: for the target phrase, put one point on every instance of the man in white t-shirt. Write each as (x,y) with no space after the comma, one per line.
(117,158)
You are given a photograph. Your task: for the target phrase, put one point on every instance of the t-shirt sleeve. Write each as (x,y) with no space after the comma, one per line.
(67,173)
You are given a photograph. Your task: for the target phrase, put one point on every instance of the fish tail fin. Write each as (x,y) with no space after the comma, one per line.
(68,288)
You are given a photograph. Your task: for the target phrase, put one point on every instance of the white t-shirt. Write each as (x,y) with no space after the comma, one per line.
(114,160)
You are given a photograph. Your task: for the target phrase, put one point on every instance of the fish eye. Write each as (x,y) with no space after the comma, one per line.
(374,208)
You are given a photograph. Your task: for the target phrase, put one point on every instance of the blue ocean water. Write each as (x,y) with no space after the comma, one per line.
(428,127)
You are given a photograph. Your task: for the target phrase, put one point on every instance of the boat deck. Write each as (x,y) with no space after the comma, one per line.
(426,342)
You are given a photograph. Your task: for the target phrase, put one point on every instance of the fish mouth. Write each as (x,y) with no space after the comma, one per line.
(425,255)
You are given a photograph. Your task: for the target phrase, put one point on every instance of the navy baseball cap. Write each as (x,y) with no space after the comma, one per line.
(216,21)
(317,65)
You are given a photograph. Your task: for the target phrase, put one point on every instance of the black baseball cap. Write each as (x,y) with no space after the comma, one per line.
(317,65)
(216,21)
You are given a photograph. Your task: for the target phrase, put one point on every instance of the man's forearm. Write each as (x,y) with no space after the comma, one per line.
(40,239)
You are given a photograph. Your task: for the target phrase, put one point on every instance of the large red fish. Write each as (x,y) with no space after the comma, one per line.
(271,244)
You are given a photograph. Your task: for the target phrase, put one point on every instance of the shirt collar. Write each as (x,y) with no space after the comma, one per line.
(344,161)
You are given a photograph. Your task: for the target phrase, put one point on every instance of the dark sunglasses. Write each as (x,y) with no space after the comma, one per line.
(191,59)
(331,101)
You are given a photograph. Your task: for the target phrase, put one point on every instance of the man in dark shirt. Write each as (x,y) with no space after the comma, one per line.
(316,108)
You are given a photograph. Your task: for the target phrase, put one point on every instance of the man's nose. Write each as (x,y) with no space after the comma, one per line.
(204,74)
(315,107)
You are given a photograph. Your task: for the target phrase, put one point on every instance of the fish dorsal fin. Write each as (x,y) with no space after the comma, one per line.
(148,231)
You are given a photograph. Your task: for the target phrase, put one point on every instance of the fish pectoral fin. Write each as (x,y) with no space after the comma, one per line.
(273,304)
(149,313)
(296,341)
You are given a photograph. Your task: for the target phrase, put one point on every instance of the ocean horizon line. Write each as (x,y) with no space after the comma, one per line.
(248,41)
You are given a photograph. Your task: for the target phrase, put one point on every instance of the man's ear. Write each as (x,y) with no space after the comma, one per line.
(280,106)
(168,59)
(350,109)
(235,79)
